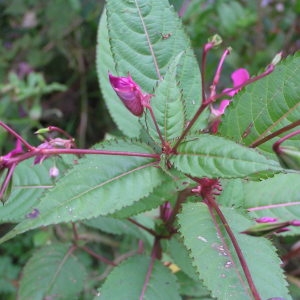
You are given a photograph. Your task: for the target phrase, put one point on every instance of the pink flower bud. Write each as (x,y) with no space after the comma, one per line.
(129,92)
(266,220)
(295,223)
(54,172)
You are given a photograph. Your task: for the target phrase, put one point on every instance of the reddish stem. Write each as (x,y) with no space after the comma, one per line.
(6,181)
(154,256)
(48,152)
(152,232)
(16,135)
(218,73)
(274,134)
(237,248)
(276,146)
(66,134)
(156,125)
(181,198)
(97,256)
(189,126)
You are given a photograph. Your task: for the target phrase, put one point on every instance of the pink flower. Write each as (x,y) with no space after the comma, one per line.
(221,109)
(239,77)
(130,93)
(15,152)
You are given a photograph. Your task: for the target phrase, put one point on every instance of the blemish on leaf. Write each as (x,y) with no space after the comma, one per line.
(201,238)
(33,214)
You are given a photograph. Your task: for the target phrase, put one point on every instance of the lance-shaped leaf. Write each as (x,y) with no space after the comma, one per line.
(277,197)
(97,185)
(168,106)
(214,156)
(216,261)
(125,121)
(145,37)
(128,280)
(265,106)
(52,272)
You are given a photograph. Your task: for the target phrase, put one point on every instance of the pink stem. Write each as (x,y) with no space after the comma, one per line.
(16,135)
(154,255)
(218,73)
(276,146)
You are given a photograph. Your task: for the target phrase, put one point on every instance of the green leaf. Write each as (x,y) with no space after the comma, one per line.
(167,106)
(166,191)
(180,255)
(214,156)
(277,197)
(191,288)
(114,226)
(126,281)
(125,121)
(97,185)
(29,184)
(52,271)
(9,274)
(265,106)
(139,46)
(216,261)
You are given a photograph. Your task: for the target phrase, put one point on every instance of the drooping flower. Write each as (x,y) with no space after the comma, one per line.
(239,77)
(52,144)
(130,93)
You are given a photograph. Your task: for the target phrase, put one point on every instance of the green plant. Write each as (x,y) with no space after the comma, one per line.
(193,174)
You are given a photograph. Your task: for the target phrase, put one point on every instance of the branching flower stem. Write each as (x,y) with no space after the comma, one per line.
(210,201)
(213,98)
(48,152)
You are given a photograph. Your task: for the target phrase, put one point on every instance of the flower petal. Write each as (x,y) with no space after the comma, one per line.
(220,111)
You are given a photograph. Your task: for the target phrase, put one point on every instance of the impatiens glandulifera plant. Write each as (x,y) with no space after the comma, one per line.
(193,173)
